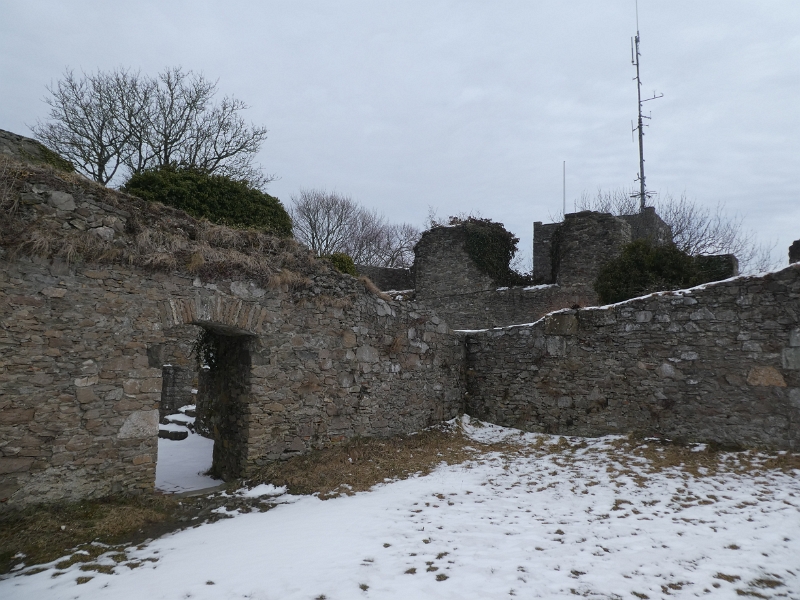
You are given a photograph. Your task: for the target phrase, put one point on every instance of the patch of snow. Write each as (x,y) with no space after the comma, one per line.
(265,489)
(540,523)
(180,417)
(172,427)
(181,464)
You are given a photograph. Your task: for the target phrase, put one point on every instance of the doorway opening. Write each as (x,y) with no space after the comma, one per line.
(223,397)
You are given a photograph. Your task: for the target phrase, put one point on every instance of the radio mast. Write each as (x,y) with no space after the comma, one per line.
(643,194)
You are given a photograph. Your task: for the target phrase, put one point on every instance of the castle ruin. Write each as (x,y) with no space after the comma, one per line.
(304,356)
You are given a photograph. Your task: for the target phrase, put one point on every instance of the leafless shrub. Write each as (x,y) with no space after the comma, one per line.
(328,222)
(105,122)
(9,198)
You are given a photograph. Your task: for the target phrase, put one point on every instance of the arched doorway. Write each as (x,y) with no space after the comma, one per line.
(223,396)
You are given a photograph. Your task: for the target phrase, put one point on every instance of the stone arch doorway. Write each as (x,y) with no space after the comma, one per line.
(224,395)
(229,329)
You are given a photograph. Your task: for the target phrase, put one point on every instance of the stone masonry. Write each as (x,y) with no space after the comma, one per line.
(718,363)
(92,350)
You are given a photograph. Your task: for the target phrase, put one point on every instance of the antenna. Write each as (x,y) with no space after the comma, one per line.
(564,188)
(642,194)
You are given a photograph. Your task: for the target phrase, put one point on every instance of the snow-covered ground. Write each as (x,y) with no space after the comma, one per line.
(544,517)
(181,464)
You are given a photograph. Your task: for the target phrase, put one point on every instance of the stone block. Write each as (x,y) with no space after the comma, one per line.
(142,459)
(61,201)
(85,395)
(149,386)
(367,354)
(794,398)
(15,465)
(54,292)
(140,424)
(765,376)
(791,358)
(561,324)
(348,339)
(15,416)
(86,381)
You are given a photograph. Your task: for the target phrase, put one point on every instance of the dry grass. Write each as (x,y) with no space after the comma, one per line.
(361,463)
(45,533)
(155,237)
(289,281)
(373,289)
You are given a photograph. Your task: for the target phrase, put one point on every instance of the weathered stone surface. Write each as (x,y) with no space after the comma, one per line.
(794,252)
(61,200)
(765,376)
(637,367)
(54,292)
(139,424)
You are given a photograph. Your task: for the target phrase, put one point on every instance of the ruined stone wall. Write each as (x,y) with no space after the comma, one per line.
(794,252)
(583,243)
(718,363)
(442,267)
(542,247)
(327,369)
(503,306)
(79,401)
(78,398)
(387,278)
(84,346)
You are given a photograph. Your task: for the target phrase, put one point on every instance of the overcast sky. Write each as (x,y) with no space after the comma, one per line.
(464,105)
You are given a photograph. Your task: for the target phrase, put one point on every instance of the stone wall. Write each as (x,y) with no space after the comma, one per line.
(794,252)
(387,278)
(500,306)
(449,282)
(78,399)
(84,345)
(442,267)
(583,243)
(79,410)
(542,248)
(718,363)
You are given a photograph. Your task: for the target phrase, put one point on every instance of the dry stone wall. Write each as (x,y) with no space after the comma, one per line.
(324,370)
(79,399)
(501,306)
(387,278)
(719,363)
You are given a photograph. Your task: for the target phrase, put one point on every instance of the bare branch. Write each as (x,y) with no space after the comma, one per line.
(107,120)
(329,222)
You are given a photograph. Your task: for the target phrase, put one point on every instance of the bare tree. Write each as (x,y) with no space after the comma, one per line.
(695,229)
(329,222)
(109,120)
(89,119)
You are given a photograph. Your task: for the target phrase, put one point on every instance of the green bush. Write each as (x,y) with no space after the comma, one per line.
(342,263)
(217,198)
(643,268)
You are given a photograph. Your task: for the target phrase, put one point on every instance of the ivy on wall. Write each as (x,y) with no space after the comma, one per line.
(491,247)
(206,349)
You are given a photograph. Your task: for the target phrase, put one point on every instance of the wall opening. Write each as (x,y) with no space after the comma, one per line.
(223,397)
